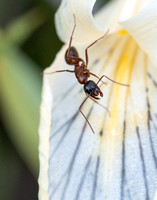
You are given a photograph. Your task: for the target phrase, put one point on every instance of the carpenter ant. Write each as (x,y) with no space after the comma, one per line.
(82,73)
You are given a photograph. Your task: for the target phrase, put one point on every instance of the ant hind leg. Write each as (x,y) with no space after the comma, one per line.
(71,36)
(86,53)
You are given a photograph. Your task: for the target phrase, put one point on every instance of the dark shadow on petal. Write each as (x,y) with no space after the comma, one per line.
(143,164)
(71,164)
(83,178)
(93,194)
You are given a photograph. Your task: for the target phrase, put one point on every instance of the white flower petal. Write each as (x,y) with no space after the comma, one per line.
(120,160)
(86,29)
(143,27)
(103,166)
(44,130)
(109,15)
(90,28)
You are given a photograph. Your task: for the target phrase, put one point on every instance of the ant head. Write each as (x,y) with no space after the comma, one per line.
(91,88)
(71,55)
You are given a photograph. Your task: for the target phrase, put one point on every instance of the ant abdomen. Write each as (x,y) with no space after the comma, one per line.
(91,88)
(72,54)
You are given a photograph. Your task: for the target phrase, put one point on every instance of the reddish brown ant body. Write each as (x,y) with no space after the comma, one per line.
(82,73)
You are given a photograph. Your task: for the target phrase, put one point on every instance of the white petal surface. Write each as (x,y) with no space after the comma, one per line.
(143,27)
(120,160)
(44,130)
(90,28)
(109,15)
(86,29)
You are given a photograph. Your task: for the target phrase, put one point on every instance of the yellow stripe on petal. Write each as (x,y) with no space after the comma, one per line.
(114,125)
(123,71)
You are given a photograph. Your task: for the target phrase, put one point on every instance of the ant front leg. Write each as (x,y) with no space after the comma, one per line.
(84,115)
(123,84)
(100,104)
(98,78)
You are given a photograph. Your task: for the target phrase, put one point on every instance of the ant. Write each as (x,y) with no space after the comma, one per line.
(82,73)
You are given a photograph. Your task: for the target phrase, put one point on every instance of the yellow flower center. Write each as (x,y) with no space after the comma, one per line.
(122,32)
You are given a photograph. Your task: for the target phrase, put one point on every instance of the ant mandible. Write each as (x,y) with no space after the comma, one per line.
(82,73)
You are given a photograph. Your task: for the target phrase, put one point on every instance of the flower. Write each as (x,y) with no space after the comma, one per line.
(120,160)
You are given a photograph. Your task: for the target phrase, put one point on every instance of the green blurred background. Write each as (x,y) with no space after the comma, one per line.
(28,44)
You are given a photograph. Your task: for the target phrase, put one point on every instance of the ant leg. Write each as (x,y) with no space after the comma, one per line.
(100,104)
(98,78)
(58,71)
(84,115)
(68,51)
(127,85)
(86,54)
(71,35)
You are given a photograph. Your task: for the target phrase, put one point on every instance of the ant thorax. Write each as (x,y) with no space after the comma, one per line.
(81,73)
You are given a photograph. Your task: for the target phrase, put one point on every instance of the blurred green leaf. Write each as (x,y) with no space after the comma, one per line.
(21,87)
(20,82)
(21,28)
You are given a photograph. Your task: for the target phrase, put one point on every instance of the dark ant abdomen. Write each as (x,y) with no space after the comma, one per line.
(91,88)
(72,54)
